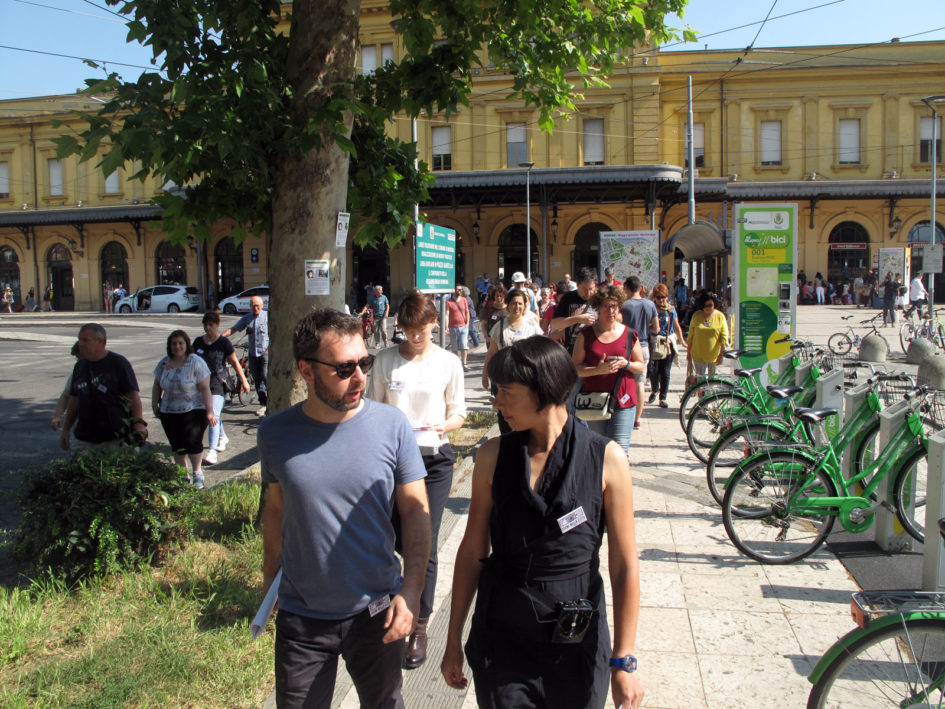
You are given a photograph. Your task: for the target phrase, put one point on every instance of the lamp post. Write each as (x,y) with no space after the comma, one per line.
(528,218)
(932,102)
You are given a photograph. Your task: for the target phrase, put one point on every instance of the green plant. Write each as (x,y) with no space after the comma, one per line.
(102,510)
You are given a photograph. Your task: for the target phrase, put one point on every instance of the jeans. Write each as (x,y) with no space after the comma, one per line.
(259,368)
(473,335)
(380,332)
(660,369)
(618,428)
(216,432)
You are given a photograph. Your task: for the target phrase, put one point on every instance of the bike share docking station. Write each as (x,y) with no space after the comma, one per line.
(933,557)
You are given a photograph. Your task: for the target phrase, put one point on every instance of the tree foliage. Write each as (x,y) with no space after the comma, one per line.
(216,115)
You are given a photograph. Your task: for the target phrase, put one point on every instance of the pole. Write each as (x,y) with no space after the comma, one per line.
(690,152)
(934,157)
(528,218)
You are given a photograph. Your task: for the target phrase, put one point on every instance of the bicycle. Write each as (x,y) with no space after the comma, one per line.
(233,387)
(894,657)
(926,328)
(841,343)
(781,503)
(367,325)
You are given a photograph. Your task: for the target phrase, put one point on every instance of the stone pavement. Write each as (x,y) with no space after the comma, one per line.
(717,630)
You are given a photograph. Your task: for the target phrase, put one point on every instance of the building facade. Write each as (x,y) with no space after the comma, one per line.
(840,130)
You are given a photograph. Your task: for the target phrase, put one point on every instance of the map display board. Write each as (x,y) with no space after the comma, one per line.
(764,286)
(436,259)
(631,253)
(895,260)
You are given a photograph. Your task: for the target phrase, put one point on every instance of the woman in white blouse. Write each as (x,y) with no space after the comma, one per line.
(426,383)
(181,399)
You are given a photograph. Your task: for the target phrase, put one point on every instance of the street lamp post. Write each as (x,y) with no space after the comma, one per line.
(932,102)
(528,218)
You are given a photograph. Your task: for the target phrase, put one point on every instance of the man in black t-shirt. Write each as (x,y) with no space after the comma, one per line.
(104,397)
(572,313)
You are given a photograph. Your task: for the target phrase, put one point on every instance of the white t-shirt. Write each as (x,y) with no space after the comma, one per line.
(179,384)
(503,335)
(428,391)
(916,289)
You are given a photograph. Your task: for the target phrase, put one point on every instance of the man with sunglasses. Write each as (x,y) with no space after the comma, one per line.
(335,465)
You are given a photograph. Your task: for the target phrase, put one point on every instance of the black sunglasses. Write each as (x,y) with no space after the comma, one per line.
(346,369)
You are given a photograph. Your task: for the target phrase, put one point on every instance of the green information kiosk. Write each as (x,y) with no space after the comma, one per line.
(436,259)
(764,287)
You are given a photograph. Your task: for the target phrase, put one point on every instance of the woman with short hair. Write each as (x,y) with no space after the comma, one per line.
(542,496)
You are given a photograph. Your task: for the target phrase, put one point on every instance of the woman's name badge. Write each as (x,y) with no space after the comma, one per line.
(375,607)
(572,520)
(396,385)
(624,399)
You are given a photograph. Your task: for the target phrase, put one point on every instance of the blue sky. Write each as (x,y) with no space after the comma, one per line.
(85,28)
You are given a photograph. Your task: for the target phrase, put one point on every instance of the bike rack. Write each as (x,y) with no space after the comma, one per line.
(890,534)
(933,556)
(829,395)
(774,367)
(800,374)
(852,401)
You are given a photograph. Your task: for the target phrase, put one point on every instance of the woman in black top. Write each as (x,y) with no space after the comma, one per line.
(542,496)
(890,292)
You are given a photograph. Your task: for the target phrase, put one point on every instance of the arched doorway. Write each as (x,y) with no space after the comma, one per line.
(919,235)
(587,247)
(848,253)
(59,275)
(228,268)
(114,261)
(170,263)
(10,273)
(371,266)
(512,251)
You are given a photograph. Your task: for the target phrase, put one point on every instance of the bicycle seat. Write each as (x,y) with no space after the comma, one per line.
(783,392)
(746,373)
(733,354)
(815,415)
(846,317)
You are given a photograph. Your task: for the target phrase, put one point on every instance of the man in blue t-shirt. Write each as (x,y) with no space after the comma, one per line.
(640,314)
(379,303)
(334,466)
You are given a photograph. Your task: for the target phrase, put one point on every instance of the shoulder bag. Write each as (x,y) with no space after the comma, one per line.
(599,405)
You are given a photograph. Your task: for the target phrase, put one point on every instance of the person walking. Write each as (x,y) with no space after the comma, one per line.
(890,293)
(216,351)
(104,404)
(918,296)
(108,297)
(473,318)
(640,314)
(820,290)
(457,314)
(256,324)
(335,466)
(708,336)
(607,351)
(661,369)
(48,298)
(181,399)
(8,299)
(380,306)
(572,312)
(31,301)
(426,383)
(542,496)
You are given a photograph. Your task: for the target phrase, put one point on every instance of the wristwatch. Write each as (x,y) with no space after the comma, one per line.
(627,664)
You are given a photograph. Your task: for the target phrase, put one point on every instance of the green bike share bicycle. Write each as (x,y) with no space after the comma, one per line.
(895,657)
(781,503)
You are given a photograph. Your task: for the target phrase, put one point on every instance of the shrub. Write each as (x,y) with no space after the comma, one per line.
(102,510)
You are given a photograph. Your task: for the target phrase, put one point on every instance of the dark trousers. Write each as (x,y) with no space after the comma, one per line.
(660,369)
(439,481)
(259,369)
(307,651)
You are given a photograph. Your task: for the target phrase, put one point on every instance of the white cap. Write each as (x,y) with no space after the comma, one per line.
(518,277)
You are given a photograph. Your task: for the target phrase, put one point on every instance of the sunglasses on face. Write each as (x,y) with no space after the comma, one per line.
(344,370)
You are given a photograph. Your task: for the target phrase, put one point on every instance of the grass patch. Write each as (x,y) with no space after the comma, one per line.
(177,635)
(477,424)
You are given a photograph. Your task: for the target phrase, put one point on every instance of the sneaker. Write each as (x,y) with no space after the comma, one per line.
(261,411)
(652,398)
(222,443)
(210,458)
(198,480)
(465,367)
(663,404)
(636,425)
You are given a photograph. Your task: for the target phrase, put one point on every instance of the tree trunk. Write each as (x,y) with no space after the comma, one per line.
(309,190)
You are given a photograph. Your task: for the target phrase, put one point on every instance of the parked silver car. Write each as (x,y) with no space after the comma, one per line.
(160,299)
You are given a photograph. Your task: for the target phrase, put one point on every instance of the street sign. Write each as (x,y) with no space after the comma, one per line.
(436,259)
(932,258)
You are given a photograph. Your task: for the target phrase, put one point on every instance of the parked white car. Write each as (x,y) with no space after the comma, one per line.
(160,299)
(239,303)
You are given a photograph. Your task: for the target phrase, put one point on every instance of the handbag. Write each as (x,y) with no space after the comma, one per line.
(599,405)
(660,348)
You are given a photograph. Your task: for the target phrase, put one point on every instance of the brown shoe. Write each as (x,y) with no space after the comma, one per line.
(417,646)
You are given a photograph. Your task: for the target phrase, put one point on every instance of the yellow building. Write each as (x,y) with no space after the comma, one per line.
(841,130)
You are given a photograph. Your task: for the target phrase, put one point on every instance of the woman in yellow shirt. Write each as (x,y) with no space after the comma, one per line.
(708,335)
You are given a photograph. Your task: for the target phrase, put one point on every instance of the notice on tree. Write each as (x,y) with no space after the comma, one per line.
(317,281)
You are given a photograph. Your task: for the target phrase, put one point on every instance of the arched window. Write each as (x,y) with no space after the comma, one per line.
(114,260)
(587,247)
(848,252)
(59,277)
(918,236)
(10,272)
(170,262)
(512,250)
(228,268)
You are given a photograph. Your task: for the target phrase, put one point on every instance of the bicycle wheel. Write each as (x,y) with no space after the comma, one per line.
(707,417)
(840,343)
(910,491)
(761,512)
(892,666)
(867,449)
(906,335)
(696,391)
(730,449)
